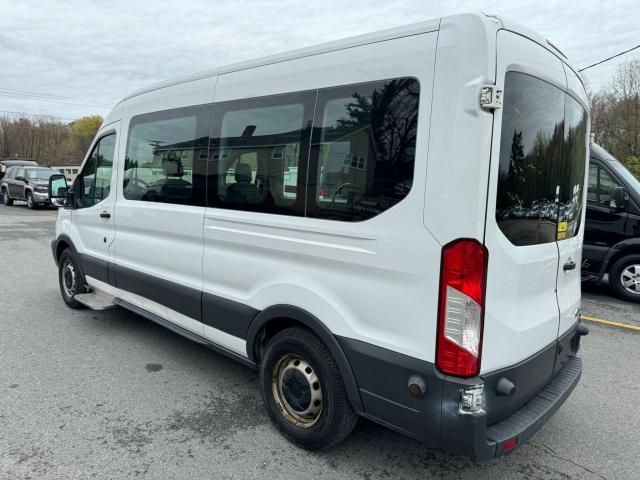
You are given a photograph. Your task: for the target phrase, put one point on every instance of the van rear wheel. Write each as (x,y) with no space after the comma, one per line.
(70,279)
(624,278)
(303,390)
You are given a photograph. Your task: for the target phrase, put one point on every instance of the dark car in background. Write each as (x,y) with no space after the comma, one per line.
(28,183)
(5,163)
(612,234)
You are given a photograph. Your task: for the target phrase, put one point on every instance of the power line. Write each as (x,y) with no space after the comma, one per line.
(51,96)
(609,58)
(36,115)
(46,99)
(42,99)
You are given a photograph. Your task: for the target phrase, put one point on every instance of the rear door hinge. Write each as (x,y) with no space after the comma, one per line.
(490,97)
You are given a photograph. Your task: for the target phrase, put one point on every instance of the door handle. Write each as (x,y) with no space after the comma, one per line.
(105,214)
(571,265)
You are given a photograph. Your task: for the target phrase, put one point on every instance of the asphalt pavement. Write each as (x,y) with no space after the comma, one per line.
(108,394)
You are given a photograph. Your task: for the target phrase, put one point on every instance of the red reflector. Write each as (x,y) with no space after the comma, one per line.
(509,444)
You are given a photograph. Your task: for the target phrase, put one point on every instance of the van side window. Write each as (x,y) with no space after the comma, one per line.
(363,148)
(601,184)
(258,154)
(167,156)
(93,183)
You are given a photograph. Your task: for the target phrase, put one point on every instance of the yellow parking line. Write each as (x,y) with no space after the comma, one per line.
(609,322)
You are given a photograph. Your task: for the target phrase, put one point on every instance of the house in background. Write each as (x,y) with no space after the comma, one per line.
(69,171)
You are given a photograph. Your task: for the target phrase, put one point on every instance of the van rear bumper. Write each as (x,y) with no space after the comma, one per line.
(468,434)
(543,382)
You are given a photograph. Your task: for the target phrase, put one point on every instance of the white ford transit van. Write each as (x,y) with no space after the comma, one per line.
(387,226)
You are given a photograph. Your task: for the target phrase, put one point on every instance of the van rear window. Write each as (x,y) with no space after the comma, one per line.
(542,162)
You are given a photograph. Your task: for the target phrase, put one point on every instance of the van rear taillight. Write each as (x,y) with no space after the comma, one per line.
(463,278)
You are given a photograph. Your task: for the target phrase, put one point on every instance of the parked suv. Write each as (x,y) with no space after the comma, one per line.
(28,183)
(6,163)
(612,234)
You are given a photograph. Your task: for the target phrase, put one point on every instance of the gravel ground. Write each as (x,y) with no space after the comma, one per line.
(110,395)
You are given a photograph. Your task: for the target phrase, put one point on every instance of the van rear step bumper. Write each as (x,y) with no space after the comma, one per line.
(528,420)
(468,434)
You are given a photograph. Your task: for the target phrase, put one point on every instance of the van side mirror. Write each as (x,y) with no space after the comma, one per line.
(58,190)
(616,203)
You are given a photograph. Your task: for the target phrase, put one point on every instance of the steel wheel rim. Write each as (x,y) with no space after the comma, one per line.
(297,390)
(630,279)
(68,278)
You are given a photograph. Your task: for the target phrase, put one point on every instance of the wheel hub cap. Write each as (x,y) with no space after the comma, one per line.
(69,278)
(630,279)
(297,390)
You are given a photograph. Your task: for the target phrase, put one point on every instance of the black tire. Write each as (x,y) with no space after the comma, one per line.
(7,201)
(69,288)
(336,418)
(630,265)
(31,203)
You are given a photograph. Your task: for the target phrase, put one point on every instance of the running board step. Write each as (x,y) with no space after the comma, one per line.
(96,300)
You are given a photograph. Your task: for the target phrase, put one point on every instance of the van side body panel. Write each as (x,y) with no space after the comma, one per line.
(460,133)
(337,271)
(159,245)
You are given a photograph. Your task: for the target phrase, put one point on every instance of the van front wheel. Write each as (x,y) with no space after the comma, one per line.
(70,279)
(624,278)
(303,391)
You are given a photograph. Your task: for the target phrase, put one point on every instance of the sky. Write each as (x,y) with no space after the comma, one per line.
(95,52)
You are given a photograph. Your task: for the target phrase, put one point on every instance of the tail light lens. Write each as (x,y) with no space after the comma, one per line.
(461,307)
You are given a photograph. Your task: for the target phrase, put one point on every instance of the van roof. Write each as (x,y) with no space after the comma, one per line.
(379,36)
(374,37)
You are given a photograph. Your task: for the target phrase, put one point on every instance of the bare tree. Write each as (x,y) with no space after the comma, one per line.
(615,115)
(46,139)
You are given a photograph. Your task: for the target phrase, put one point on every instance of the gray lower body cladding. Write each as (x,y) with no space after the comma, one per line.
(377,379)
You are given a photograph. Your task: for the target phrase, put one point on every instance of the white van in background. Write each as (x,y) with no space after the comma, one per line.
(387,226)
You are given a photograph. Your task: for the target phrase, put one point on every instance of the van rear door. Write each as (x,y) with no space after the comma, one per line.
(521,313)
(571,202)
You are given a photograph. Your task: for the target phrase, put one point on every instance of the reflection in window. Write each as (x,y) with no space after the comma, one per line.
(364,142)
(530,160)
(542,161)
(573,165)
(166,156)
(93,183)
(256,150)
